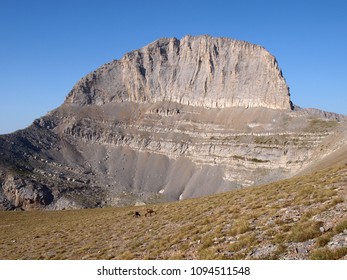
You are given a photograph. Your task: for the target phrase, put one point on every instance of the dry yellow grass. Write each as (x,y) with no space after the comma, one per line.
(234,225)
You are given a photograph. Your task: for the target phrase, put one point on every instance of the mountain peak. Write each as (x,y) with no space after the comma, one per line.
(204,71)
(173,120)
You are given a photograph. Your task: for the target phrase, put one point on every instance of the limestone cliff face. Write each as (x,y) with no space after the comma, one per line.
(196,71)
(176,119)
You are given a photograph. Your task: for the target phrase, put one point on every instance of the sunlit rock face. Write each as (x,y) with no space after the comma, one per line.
(174,120)
(195,71)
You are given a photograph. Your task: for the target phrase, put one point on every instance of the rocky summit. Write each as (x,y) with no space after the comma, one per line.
(176,119)
(195,71)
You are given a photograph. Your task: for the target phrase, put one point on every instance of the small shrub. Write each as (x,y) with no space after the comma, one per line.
(323,240)
(280,238)
(245,242)
(337,200)
(305,231)
(239,227)
(340,227)
(207,254)
(207,242)
(281,249)
(328,254)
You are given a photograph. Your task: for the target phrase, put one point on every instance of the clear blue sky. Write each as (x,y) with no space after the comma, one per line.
(46,46)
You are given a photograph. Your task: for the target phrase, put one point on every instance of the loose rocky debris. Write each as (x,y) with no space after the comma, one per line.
(176,119)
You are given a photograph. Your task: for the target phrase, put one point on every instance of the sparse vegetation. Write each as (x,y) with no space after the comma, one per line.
(320,125)
(304,231)
(328,254)
(266,222)
(341,226)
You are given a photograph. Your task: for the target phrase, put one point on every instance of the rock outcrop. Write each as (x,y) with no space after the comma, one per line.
(27,194)
(195,71)
(174,120)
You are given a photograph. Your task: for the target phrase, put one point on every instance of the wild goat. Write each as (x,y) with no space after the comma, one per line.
(150,212)
(136,214)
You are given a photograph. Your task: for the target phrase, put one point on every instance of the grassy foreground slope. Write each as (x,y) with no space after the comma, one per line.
(299,218)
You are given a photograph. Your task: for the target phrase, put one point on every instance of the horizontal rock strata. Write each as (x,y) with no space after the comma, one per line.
(176,119)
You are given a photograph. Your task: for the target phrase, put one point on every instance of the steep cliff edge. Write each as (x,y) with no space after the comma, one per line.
(196,71)
(174,120)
